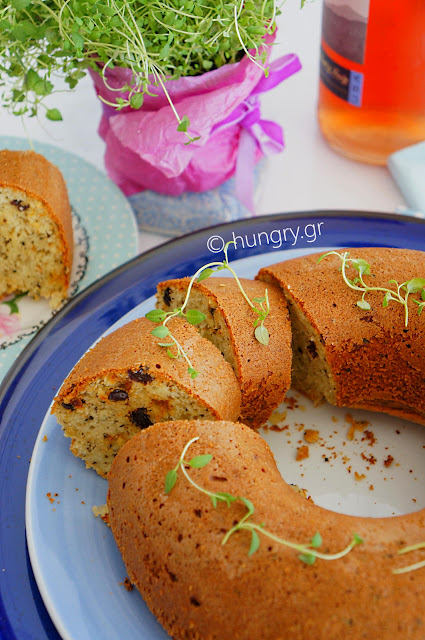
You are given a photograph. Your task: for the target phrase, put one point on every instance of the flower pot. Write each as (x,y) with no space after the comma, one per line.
(146,152)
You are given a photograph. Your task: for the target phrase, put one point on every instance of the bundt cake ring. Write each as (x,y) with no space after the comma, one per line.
(218,544)
(221,547)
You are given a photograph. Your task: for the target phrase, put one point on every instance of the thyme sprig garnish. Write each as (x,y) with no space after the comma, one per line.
(162,331)
(260,306)
(307,552)
(410,567)
(400,293)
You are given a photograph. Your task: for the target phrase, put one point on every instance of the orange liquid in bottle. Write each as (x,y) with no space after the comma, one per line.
(392,111)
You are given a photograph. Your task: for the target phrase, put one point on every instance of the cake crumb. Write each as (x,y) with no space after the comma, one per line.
(277,417)
(388,461)
(355,426)
(311,435)
(370,436)
(102,512)
(359,476)
(302,453)
(52,499)
(128,585)
(371,487)
(44,438)
(276,427)
(371,459)
(302,492)
(291,403)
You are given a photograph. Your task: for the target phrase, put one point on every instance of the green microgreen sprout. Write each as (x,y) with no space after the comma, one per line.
(411,567)
(157,40)
(307,552)
(400,293)
(259,306)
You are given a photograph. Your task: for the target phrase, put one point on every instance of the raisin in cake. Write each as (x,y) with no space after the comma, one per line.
(128,382)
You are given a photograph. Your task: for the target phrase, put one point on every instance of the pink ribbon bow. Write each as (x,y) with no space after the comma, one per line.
(258,134)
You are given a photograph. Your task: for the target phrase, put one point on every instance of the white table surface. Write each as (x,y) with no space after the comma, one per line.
(306,175)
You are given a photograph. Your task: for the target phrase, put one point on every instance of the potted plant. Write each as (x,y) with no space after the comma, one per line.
(179,81)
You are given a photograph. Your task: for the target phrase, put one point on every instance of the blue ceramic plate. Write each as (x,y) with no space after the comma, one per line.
(105,236)
(77,567)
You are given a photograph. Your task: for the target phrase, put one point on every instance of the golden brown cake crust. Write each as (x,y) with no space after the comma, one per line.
(377,363)
(33,174)
(133,346)
(263,371)
(201,589)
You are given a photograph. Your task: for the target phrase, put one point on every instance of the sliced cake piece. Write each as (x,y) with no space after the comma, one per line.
(36,241)
(128,382)
(263,371)
(366,358)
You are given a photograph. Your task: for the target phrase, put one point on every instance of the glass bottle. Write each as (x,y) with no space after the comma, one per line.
(372,76)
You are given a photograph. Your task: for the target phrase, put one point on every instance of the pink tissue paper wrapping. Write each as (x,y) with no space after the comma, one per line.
(144,150)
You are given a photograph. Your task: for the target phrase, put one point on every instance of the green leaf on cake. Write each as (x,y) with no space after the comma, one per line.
(206,273)
(160,332)
(415,285)
(193,316)
(387,298)
(226,497)
(361,266)
(307,558)
(255,542)
(316,541)
(248,504)
(262,334)
(307,554)
(198,462)
(156,315)
(170,480)
(363,304)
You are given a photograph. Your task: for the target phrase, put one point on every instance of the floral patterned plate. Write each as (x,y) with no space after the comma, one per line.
(105,236)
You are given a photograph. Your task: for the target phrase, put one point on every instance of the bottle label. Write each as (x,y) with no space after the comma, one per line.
(344,28)
(343,82)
